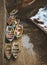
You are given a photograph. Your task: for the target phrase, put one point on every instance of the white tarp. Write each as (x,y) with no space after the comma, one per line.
(41,16)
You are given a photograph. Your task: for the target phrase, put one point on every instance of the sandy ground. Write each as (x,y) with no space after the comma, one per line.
(26,55)
(32,47)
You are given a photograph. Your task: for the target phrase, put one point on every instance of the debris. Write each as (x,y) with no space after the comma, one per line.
(13,12)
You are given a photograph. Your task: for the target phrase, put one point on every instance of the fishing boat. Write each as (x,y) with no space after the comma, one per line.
(9,33)
(15,50)
(7,51)
(18,32)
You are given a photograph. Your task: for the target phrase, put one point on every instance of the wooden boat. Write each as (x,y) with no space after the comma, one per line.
(10,33)
(15,50)
(7,50)
(18,32)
